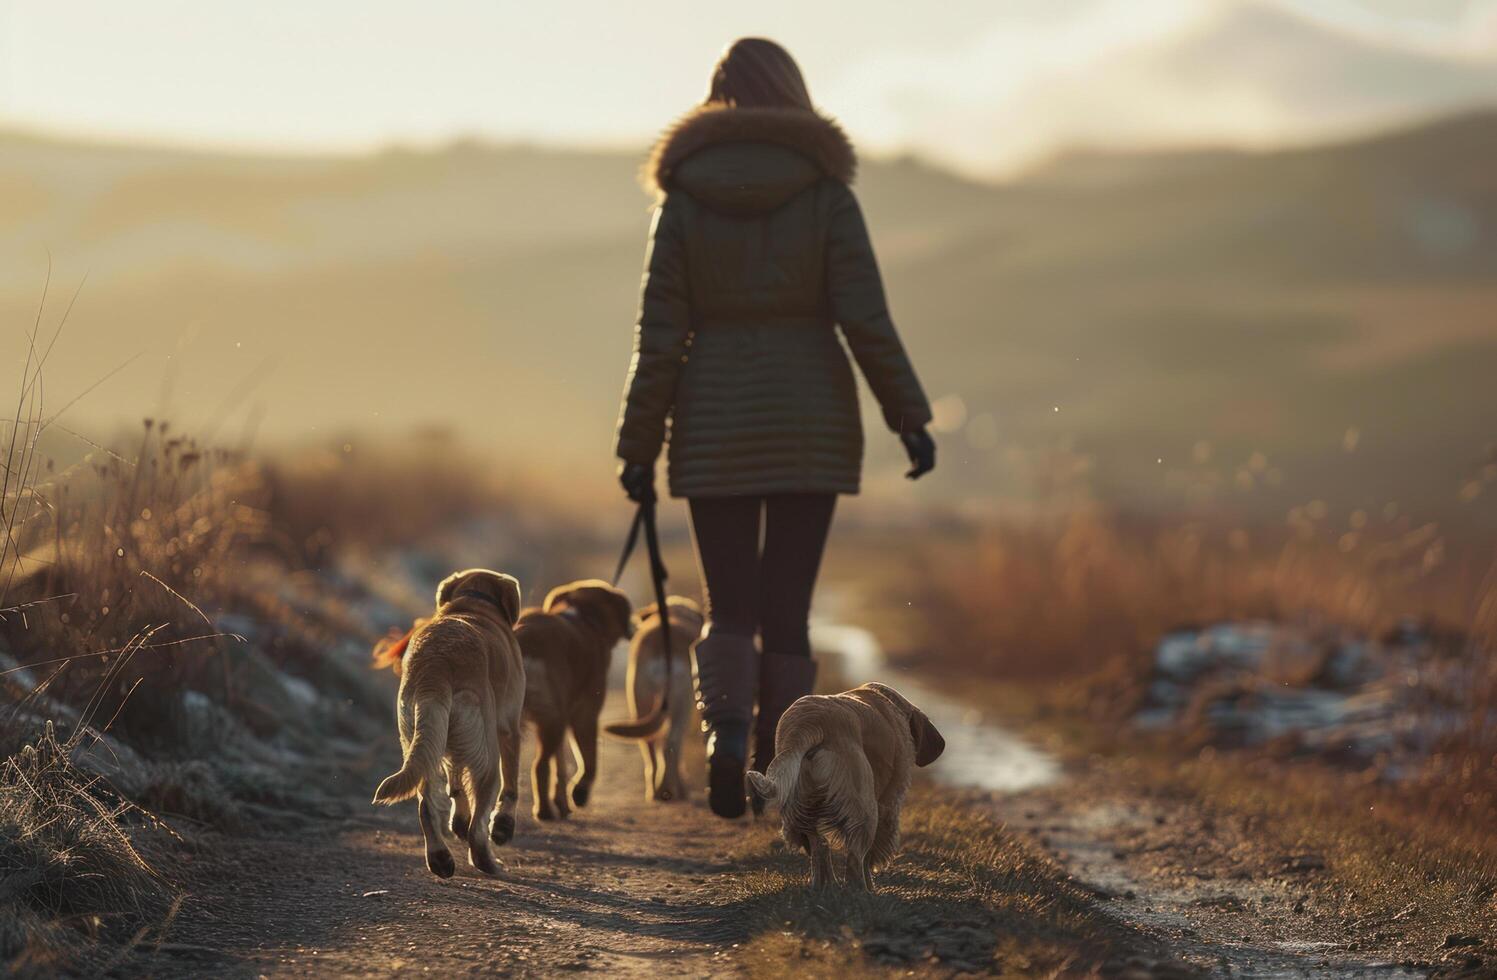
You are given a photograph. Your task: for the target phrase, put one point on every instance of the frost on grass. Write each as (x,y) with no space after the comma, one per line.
(184,635)
(77,892)
(1385,705)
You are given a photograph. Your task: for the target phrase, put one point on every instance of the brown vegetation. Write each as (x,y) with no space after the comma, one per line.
(964,897)
(185,620)
(1062,617)
(79,892)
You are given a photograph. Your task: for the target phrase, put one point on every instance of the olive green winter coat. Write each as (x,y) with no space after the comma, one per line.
(758,253)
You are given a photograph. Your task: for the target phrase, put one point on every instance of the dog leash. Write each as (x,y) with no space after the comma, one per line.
(644,518)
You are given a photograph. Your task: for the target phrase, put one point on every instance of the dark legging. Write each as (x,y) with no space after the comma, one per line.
(768,590)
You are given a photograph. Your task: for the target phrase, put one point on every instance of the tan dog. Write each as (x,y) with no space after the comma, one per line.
(567,645)
(462,686)
(843,764)
(660,733)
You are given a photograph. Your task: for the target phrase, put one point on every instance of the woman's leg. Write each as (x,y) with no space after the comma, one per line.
(725,663)
(725,531)
(795,534)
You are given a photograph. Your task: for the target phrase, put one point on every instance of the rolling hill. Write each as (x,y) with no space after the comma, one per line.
(1160,321)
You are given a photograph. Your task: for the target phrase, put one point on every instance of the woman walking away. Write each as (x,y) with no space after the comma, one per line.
(758,252)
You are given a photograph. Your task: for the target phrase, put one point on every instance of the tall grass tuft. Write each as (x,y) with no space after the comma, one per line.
(76,894)
(116,548)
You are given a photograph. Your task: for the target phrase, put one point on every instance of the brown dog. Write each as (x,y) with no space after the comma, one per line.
(462,686)
(660,733)
(843,763)
(567,644)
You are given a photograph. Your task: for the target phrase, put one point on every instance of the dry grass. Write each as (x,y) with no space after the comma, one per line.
(127,580)
(380,496)
(156,545)
(115,576)
(1065,614)
(77,893)
(112,555)
(1377,846)
(963,897)
(1067,595)
(94,564)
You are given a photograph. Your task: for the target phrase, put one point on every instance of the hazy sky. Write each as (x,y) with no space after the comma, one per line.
(984,84)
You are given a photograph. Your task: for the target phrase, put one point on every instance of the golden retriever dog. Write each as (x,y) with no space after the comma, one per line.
(661,732)
(462,686)
(842,765)
(567,644)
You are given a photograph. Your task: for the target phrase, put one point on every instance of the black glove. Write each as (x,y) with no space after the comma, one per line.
(922,452)
(638,481)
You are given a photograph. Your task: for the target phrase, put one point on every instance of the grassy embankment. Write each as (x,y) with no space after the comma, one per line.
(183,646)
(1053,624)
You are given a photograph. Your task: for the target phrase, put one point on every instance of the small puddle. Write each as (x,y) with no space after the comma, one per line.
(978,753)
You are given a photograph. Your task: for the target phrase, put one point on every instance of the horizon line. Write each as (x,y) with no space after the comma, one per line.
(281,151)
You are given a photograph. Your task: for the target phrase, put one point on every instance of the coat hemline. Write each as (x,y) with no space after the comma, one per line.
(764,490)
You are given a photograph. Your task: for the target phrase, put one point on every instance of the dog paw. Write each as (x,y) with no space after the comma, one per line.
(503,830)
(441,864)
(581,792)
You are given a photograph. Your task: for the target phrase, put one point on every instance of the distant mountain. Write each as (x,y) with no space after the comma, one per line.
(1246,72)
(1321,73)
(1155,319)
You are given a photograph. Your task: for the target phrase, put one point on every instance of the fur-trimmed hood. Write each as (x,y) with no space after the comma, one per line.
(748,159)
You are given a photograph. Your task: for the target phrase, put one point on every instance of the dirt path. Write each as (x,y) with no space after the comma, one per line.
(628,888)
(623,887)
(1205,884)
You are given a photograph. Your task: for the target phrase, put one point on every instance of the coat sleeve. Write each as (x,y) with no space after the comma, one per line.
(857,294)
(660,340)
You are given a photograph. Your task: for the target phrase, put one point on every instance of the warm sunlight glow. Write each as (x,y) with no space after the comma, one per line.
(985,85)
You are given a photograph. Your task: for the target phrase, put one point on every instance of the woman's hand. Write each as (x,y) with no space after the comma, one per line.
(638,481)
(922,452)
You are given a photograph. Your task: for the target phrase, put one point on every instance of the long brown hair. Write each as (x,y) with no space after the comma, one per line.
(756,73)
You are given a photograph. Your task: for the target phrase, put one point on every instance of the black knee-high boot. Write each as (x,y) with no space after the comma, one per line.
(725,667)
(782,679)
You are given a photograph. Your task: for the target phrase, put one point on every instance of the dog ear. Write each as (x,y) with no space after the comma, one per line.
(889,694)
(556,597)
(504,588)
(625,609)
(449,585)
(928,742)
(507,591)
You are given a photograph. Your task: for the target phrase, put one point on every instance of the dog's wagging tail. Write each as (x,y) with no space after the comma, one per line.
(641,728)
(423,762)
(390,650)
(778,781)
